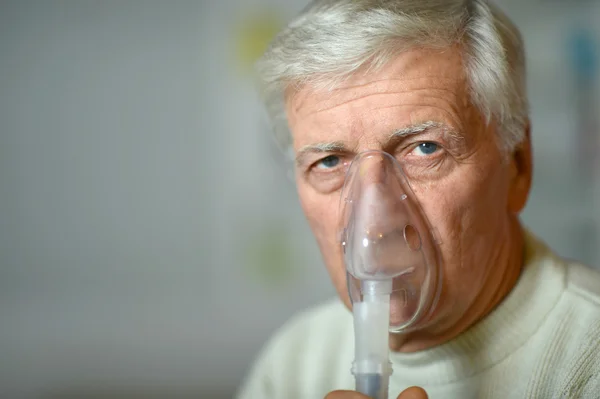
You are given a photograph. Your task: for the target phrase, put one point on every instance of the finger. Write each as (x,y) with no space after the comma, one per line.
(346,395)
(413,393)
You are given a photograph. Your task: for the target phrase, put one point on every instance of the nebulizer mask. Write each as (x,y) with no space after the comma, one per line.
(392,263)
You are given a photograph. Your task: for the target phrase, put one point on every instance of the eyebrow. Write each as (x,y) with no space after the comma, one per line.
(418,128)
(338,146)
(334,146)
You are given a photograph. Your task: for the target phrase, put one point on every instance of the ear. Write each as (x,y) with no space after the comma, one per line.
(521,173)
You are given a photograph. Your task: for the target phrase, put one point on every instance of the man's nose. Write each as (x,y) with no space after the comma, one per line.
(373,167)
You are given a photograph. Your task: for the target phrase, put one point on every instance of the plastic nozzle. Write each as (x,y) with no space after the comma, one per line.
(372,367)
(391,263)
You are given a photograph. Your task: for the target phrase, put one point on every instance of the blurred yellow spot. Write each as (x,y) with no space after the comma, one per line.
(253,35)
(269,255)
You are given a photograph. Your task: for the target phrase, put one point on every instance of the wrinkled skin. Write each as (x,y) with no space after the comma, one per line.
(470,190)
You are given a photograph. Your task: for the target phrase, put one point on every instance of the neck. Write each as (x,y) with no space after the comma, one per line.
(503,276)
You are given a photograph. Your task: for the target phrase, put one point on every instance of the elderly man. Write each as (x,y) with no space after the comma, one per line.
(513,320)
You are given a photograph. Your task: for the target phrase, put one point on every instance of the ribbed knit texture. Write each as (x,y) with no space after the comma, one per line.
(542,341)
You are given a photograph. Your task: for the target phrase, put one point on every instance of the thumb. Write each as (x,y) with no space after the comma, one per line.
(413,393)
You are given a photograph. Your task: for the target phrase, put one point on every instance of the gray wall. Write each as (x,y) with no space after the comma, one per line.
(149,238)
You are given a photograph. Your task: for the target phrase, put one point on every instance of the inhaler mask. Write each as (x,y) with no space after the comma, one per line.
(392,262)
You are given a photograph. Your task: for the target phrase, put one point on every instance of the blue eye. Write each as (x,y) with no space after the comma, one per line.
(328,162)
(426,148)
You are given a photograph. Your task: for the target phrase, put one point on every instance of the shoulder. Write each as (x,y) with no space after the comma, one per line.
(584,282)
(323,316)
(583,297)
(576,282)
(582,293)
(294,357)
(566,345)
(311,328)
(580,305)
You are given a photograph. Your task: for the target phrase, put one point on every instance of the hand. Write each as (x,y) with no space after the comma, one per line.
(409,393)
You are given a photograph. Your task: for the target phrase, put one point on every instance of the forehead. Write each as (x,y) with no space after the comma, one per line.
(415,87)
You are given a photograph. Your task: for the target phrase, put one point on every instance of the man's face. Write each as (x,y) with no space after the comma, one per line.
(457,172)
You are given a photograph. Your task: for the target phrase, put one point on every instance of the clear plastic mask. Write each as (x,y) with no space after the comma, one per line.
(386,237)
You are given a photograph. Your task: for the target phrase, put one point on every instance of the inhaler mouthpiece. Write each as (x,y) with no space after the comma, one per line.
(386,237)
(391,263)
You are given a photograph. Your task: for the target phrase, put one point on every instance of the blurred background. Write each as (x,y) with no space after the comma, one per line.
(150,239)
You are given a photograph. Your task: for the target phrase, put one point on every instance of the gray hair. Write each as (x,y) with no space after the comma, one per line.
(332,39)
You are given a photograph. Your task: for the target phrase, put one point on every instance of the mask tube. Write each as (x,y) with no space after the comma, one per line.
(392,263)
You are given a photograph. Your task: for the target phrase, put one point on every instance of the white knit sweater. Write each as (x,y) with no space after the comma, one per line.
(542,341)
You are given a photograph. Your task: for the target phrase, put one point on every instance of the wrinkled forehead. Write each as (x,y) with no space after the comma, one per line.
(417,86)
(410,70)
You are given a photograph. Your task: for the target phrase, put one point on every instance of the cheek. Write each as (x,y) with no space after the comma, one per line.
(465,207)
(320,212)
(322,215)
(470,215)
(444,206)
